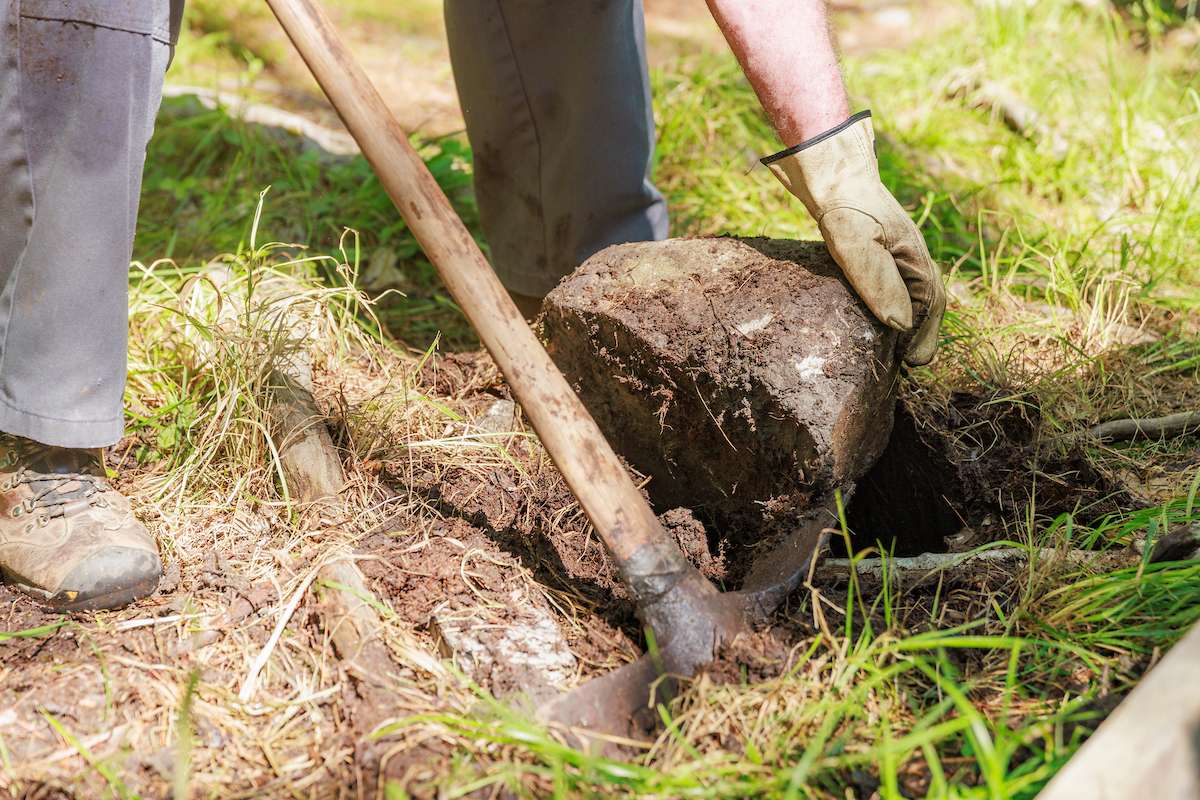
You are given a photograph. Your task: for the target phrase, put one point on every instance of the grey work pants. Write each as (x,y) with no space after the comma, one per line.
(557,105)
(80,82)
(556,98)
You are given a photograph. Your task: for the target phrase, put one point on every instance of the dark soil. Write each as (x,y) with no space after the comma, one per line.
(752,657)
(461,569)
(529,512)
(955,471)
(689,533)
(19,613)
(459,375)
(418,580)
(950,473)
(73,674)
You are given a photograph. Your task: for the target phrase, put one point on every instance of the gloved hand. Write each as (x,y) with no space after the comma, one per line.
(869,234)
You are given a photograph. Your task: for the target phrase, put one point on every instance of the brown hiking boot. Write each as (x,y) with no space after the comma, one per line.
(67,538)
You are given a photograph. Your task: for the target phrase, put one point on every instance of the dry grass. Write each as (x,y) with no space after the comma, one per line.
(132,696)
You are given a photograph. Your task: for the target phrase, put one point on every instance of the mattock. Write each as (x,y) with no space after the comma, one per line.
(688,616)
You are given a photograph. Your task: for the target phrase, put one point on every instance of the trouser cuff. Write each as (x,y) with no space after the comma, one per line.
(60,432)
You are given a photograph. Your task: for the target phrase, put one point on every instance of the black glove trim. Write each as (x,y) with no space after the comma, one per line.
(820,137)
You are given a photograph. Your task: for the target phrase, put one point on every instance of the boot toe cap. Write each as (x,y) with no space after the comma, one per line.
(110,578)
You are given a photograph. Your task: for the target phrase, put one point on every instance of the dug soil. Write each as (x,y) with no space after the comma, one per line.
(488,544)
(461,569)
(957,470)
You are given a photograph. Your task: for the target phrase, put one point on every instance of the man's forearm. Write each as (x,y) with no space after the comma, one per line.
(786,51)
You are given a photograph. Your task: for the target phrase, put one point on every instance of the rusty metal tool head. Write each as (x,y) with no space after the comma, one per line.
(697,619)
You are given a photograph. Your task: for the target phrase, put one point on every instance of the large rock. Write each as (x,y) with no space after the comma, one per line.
(741,374)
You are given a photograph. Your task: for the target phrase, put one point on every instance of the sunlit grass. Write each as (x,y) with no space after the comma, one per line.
(987,709)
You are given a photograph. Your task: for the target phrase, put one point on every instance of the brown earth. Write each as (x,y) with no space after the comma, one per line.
(460,568)
(528,511)
(473,536)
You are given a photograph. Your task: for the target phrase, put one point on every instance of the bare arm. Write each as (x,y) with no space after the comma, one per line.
(786,51)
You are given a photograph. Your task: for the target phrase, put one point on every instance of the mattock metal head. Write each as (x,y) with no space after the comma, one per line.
(621,706)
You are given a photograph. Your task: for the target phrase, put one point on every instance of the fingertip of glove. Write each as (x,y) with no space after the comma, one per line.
(917,361)
(920,353)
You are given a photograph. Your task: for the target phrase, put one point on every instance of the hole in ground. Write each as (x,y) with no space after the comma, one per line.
(909,499)
(978,462)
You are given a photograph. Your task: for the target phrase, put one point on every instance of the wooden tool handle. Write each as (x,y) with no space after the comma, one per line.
(619,513)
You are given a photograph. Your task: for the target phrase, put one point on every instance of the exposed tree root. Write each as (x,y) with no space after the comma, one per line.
(926,564)
(1118,430)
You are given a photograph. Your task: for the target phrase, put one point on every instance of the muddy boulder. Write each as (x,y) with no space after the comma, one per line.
(742,375)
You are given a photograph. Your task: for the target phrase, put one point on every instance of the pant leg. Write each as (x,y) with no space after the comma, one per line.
(557,105)
(81,86)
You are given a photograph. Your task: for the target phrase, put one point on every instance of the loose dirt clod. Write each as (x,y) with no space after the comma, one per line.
(755,656)
(742,374)
(689,533)
(526,653)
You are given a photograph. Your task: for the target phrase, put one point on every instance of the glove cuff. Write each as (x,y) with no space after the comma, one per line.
(833,169)
(767,161)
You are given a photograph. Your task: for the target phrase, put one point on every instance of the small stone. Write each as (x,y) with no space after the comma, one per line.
(527,655)
(500,417)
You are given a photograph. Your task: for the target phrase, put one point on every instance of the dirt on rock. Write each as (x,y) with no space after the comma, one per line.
(742,375)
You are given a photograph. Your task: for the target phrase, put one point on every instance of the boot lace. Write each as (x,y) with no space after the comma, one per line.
(53,493)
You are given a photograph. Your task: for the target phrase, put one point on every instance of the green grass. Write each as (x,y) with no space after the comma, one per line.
(32,633)
(881,700)
(965,714)
(205,171)
(1104,231)
(204,339)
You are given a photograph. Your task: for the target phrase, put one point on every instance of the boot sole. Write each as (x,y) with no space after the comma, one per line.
(75,601)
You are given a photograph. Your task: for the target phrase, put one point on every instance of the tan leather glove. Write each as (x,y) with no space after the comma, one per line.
(869,234)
